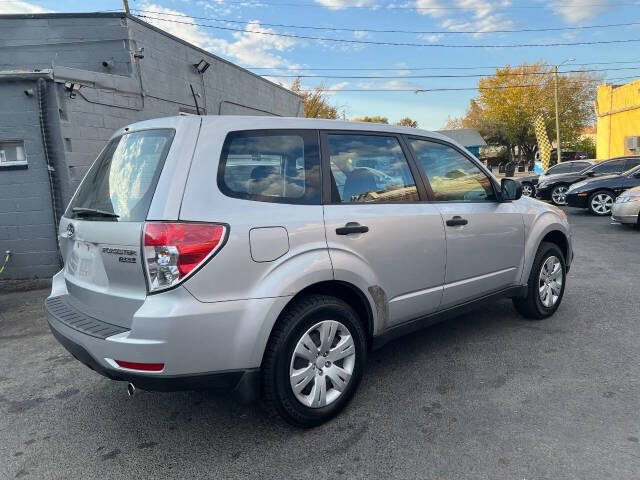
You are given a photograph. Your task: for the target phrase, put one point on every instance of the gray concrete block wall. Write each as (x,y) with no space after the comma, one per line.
(26,218)
(87,121)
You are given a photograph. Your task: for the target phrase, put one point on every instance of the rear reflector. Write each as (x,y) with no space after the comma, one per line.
(147,367)
(173,250)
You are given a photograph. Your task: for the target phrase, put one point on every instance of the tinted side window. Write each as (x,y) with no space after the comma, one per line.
(453,177)
(632,162)
(271,166)
(369,168)
(576,167)
(615,166)
(559,169)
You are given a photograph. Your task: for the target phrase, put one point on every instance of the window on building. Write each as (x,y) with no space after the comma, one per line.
(281,166)
(12,153)
(369,169)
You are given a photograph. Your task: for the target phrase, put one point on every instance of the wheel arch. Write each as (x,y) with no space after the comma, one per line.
(345,291)
(558,238)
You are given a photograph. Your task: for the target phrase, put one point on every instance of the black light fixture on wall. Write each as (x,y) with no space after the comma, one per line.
(202,66)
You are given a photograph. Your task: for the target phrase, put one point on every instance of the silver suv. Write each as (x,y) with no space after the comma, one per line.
(269,255)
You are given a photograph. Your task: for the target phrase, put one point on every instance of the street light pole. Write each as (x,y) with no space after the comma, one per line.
(558,147)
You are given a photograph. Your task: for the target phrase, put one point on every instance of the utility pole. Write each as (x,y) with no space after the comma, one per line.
(125,3)
(558,148)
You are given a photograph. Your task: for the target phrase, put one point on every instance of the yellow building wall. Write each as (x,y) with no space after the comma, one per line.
(618,110)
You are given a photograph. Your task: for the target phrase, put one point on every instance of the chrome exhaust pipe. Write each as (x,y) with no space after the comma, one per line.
(132,390)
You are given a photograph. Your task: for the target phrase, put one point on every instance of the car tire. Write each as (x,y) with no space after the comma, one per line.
(600,202)
(283,365)
(528,190)
(537,305)
(559,195)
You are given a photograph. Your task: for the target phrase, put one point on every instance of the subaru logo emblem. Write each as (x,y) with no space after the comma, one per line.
(70,230)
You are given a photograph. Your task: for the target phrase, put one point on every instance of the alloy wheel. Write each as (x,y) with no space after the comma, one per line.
(322,364)
(550,281)
(527,190)
(559,195)
(602,203)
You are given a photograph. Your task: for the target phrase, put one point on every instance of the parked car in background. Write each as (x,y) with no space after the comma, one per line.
(555,187)
(626,208)
(227,251)
(573,166)
(567,155)
(599,194)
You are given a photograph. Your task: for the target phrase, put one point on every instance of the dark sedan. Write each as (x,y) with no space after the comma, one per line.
(554,188)
(530,181)
(598,194)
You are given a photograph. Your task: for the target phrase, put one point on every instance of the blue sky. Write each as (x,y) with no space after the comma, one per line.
(278,55)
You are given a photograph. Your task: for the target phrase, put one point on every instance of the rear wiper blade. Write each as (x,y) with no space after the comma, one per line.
(88,212)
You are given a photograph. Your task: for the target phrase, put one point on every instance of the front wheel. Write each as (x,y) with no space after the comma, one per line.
(600,203)
(527,189)
(545,287)
(559,195)
(314,360)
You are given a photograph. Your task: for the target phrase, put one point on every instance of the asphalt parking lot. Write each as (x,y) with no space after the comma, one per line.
(487,395)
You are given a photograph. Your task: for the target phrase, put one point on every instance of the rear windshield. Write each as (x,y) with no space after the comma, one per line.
(121,182)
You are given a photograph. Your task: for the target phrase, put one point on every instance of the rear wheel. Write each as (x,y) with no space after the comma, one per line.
(527,189)
(545,287)
(314,360)
(559,195)
(600,202)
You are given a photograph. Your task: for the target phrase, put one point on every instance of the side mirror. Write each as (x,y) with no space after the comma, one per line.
(511,189)
(591,174)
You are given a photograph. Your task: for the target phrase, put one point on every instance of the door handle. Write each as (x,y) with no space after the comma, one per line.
(456,221)
(351,227)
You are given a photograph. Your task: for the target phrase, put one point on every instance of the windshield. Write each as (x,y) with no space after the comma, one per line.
(121,182)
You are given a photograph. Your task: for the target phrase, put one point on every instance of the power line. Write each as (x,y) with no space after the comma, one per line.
(450,89)
(400,68)
(396,44)
(510,74)
(339,6)
(370,30)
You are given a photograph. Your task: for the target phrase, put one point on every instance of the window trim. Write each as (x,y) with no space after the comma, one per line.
(327,198)
(16,165)
(497,190)
(312,196)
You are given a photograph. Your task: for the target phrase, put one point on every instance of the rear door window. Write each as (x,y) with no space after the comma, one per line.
(614,166)
(120,184)
(279,166)
(369,169)
(632,163)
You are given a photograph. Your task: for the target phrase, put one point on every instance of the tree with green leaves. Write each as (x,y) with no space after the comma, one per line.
(509,101)
(316,101)
(374,119)
(407,122)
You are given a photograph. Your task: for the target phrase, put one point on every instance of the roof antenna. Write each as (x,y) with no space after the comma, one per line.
(195,100)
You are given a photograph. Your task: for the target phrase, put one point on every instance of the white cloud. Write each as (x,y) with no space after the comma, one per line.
(579,10)
(247,48)
(18,6)
(433,38)
(475,15)
(360,34)
(390,85)
(341,4)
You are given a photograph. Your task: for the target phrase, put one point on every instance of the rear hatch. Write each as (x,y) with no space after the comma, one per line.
(101,230)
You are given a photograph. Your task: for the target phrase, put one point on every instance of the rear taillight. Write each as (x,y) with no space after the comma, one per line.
(173,250)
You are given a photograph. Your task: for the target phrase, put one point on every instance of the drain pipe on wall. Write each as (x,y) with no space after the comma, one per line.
(49,149)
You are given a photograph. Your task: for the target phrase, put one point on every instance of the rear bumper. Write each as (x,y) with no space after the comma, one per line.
(573,200)
(245,383)
(202,345)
